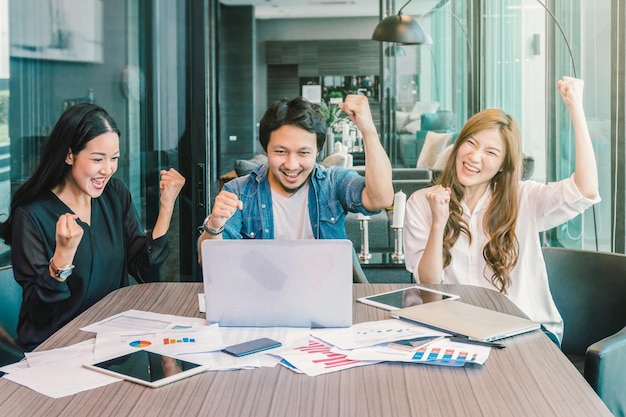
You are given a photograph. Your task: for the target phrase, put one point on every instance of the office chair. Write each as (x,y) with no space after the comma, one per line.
(589,289)
(10,352)
(11,296)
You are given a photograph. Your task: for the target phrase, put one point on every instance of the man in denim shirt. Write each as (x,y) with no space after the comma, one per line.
(293,197)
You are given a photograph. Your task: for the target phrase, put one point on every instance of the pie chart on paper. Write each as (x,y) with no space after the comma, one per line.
(140,344)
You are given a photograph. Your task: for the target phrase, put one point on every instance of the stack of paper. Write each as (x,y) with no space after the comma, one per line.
(60,372)
(331,350)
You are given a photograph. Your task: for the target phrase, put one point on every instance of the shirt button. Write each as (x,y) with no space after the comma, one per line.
(251,233)
(149,247)
(262,205)
(267,230)
(332,219)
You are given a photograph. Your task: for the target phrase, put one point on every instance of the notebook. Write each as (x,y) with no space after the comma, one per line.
(282,283)
(467,320)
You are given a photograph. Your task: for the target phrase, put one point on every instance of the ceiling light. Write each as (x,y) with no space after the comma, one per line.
(401,28)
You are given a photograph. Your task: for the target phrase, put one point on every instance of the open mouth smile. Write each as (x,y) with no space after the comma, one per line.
(291,175)
(471,168)
(98,183)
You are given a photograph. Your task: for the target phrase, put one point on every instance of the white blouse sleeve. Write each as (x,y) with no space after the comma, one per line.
(554,203)
(417,223)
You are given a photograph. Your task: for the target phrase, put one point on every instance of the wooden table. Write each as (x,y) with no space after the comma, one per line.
(531,377)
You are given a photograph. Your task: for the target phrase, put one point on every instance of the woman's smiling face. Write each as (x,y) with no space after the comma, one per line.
(479,158)
(93,167)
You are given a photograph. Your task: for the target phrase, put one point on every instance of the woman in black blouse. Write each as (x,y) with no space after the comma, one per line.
(74,231)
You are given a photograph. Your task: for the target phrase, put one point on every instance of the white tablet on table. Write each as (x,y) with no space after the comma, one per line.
(406,297)
(148,368)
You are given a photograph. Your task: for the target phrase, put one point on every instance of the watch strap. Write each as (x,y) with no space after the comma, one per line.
(210,230)
(62,272)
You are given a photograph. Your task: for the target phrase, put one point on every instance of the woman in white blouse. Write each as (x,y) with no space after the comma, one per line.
(480,225)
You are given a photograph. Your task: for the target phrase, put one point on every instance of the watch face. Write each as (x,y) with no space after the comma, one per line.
(65,272)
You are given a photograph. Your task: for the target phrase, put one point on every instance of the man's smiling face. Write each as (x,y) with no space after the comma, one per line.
(291,156)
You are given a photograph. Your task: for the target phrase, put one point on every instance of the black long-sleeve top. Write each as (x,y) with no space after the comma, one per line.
(113,246)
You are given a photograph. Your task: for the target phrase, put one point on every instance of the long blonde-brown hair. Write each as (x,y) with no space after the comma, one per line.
(501,250)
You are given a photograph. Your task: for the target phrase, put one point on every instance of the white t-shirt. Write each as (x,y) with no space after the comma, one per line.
(541,207)
(291,215)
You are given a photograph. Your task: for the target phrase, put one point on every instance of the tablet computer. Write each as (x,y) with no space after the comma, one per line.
(148,368)
(406,297)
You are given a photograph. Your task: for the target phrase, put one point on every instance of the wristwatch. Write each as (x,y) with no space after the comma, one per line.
(62,272)
(210,230)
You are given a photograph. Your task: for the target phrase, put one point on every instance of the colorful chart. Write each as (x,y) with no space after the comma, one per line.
(140,344)
(168,341)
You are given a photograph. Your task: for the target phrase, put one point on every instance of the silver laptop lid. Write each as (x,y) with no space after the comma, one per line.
(467,320)
(290,283)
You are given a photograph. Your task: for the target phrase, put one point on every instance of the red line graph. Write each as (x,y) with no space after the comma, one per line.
(331,360)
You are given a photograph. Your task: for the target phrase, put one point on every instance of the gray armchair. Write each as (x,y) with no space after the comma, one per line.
(603,374)
(589,289)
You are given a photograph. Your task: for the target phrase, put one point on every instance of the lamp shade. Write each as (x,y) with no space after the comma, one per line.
(401,28)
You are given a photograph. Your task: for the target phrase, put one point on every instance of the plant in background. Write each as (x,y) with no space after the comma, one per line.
(333,115)
(334,118)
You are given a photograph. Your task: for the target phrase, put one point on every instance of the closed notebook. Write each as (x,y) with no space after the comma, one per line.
(467,320)
(266,282)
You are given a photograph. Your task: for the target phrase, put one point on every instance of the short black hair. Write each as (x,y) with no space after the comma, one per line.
(294,112)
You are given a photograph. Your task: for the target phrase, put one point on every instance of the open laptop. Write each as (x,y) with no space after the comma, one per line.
(467,320)
(282,283)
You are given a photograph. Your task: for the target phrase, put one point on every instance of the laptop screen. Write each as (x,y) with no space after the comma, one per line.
(293,283)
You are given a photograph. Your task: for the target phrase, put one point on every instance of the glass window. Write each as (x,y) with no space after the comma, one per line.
(519,37)
(592,60)
(430,81)
(5,155)
(513,73)
(94,51)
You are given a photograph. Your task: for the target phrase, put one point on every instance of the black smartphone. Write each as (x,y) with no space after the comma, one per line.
(251,346)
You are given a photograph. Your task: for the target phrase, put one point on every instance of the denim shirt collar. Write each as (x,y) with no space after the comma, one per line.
(260,173)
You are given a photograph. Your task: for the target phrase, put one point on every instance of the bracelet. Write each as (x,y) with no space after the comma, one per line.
(209,230)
